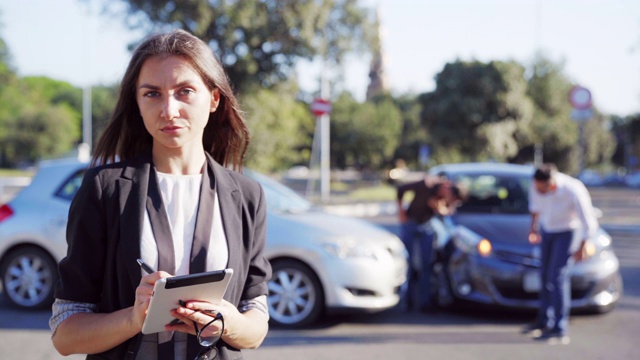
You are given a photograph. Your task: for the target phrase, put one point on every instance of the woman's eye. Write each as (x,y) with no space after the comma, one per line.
(151,94)
(186,92)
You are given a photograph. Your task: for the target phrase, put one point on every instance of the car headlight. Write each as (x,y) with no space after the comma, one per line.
(596,244)
(484,247)
(471,242)
(349,249)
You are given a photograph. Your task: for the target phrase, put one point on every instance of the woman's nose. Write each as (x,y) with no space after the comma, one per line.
(170,108)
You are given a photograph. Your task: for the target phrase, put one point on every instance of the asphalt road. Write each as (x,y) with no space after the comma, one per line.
(396,334)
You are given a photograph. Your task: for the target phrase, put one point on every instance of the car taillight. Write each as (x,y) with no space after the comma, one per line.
(5,212)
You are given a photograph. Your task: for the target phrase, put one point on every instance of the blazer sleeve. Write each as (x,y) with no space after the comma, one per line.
(259,267)
(81,271)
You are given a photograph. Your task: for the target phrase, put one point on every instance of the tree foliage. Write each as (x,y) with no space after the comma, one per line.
(492,111)
(103,101)
(413,135)
(475,110)
(364,135)
(259,41)
(281,128)
(627,133)
(553,127)
(39,116)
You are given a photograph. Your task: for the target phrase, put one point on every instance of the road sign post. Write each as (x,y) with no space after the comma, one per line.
(321,108)
(581,101)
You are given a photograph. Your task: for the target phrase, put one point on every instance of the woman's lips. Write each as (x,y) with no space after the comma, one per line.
(170,129)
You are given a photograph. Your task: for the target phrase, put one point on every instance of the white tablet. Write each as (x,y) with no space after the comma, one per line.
(168,292)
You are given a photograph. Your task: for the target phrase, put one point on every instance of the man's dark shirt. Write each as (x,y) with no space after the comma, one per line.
(419,209)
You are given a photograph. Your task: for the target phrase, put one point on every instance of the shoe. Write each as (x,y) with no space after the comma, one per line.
(553,338)
(533,330)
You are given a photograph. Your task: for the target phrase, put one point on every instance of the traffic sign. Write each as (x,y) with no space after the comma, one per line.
(581,114)
(320,107)
(580,97)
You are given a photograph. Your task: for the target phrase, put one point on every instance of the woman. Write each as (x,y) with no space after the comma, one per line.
(164,194)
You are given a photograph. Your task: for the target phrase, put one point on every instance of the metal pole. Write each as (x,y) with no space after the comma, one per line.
(86,116)
(537,154)
(325,171)
(582,147)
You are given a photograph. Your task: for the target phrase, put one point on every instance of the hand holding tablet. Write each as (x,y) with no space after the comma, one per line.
(169,292)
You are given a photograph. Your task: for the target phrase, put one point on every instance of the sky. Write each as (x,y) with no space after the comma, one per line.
(598,42)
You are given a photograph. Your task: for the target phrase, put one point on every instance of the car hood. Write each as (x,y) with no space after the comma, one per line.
(498,228)
(316,224)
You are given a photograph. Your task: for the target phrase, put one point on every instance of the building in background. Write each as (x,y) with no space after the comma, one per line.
(378,83)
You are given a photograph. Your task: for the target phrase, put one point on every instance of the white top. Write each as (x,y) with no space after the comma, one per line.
(566,208)
(180,195)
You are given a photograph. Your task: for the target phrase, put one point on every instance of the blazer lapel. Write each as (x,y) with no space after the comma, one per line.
(160,225)
(133,185)
(231,211)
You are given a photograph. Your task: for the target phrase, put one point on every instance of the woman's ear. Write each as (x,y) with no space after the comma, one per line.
(215,99)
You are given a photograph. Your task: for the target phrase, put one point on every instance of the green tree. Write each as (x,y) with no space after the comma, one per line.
(103,101)
(39,118)
(413,134)
(552,126)
(627,132)
(39,132)
(364,135)
(476,110)
(54,91)
(7,74)
(281,128)
(259,41)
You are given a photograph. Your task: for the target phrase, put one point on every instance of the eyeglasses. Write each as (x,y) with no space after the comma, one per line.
(209,350)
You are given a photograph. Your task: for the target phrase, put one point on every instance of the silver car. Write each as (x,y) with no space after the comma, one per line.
(483,252)
(320,262)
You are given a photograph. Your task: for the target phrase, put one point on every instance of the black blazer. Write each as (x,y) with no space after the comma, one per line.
(104,229)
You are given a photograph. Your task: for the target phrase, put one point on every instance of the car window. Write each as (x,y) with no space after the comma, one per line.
(70,187)
(495,194)
(279,197)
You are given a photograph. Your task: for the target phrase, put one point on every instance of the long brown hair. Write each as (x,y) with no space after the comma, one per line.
(226,135)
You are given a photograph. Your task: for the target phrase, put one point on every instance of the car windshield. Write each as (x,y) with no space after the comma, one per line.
(497,194)
(279,197)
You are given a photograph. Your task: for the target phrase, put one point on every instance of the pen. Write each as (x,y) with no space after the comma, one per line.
(145,267)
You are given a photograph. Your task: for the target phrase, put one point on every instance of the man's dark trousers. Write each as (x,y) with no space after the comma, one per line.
(555,295)
(418,279)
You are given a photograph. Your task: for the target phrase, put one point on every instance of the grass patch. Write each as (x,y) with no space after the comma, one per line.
(382,192)
(15,172)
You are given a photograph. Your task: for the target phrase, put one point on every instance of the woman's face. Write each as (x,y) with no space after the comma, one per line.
(174,103)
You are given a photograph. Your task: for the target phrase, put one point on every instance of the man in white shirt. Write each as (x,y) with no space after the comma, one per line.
(562,219)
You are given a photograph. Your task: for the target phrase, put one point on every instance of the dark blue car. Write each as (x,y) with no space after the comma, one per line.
(484,255)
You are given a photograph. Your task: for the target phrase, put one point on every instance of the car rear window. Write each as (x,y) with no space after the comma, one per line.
(498,194)
(69,188)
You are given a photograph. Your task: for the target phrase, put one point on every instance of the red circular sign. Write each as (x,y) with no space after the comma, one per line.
(320,107)
(580,98)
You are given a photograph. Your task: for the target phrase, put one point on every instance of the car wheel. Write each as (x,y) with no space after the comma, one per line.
(296,297)
(29,276)
(440,289)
